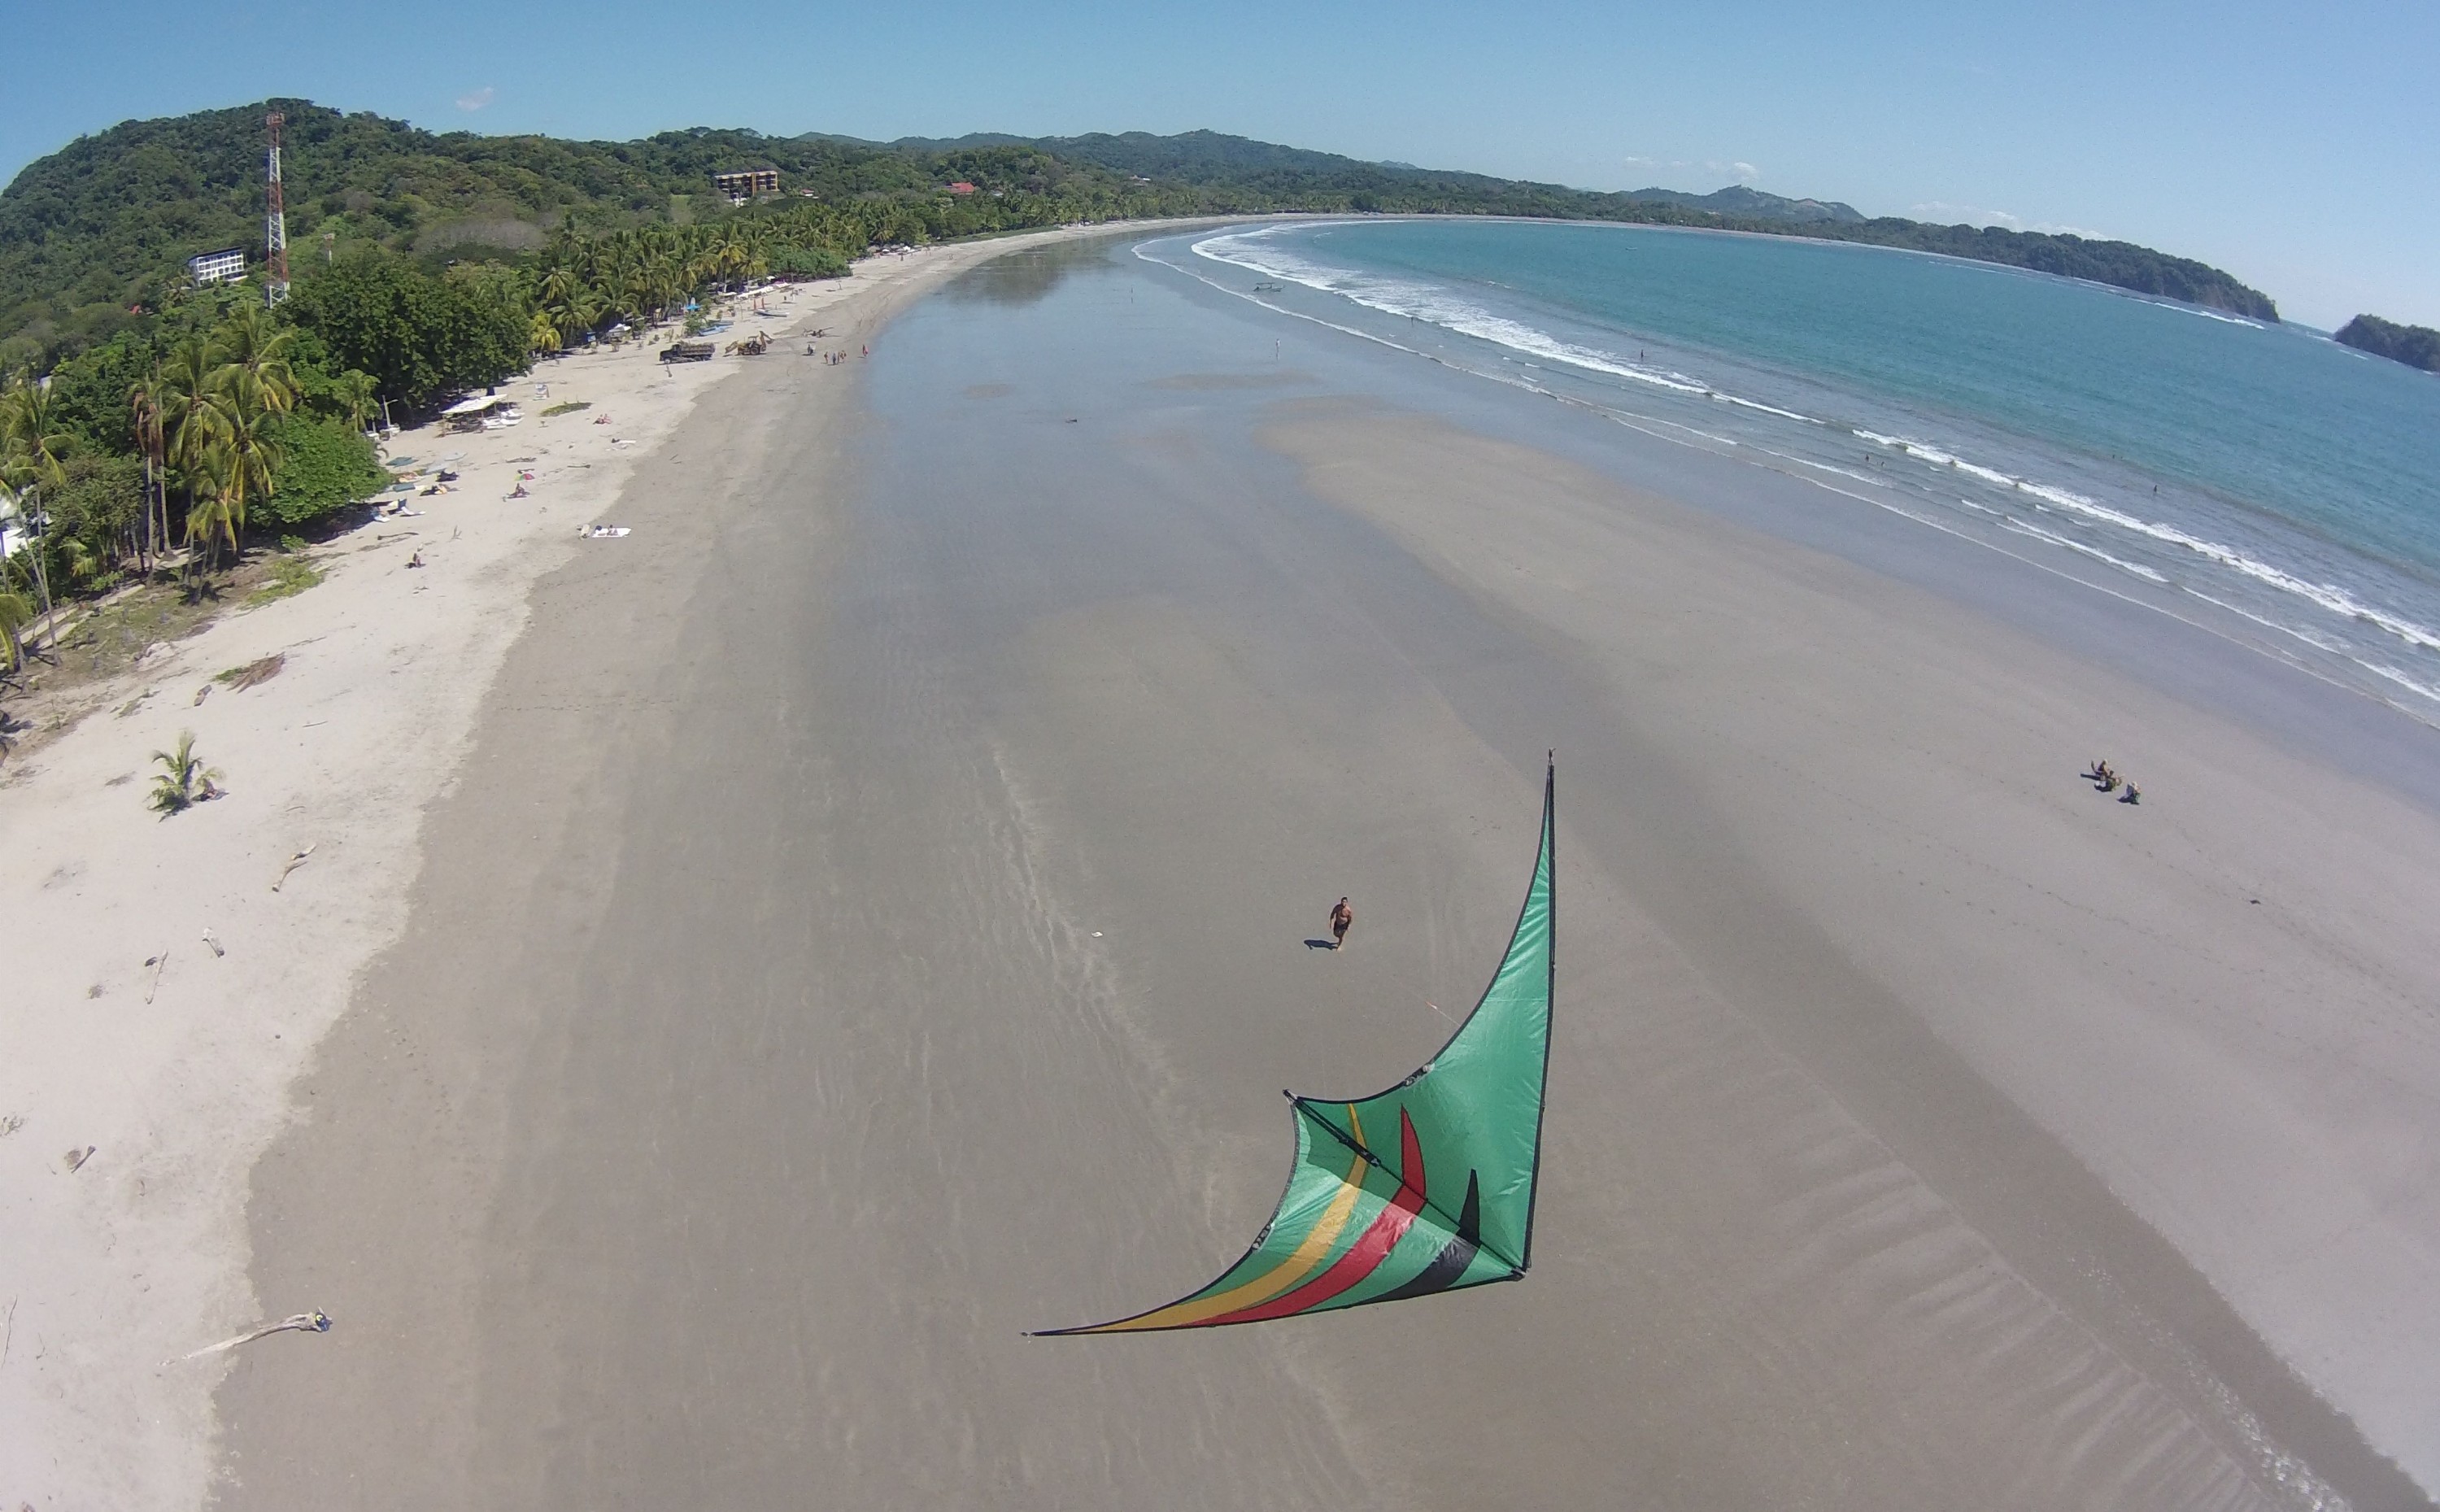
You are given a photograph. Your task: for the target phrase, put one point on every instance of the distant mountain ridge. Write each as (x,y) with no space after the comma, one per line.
(1212,157)
(1756,205)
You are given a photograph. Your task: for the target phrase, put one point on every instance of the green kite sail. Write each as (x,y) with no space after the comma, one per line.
(1425,1188)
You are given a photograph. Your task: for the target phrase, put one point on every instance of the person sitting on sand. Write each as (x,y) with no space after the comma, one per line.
(2134,794)
(1340,917)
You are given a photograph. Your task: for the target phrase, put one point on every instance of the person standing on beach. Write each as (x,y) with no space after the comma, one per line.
(1340,917)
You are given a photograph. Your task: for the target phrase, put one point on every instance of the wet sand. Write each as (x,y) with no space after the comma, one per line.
(879,930)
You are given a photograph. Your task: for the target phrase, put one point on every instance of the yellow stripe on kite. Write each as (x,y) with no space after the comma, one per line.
(1275,1281)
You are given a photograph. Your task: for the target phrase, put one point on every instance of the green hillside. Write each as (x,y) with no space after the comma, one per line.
(109,221)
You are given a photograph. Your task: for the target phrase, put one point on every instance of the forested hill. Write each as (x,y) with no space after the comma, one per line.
(2415,346)
(107,222)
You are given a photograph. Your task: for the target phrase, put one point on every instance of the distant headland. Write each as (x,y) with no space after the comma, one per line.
(2415,346)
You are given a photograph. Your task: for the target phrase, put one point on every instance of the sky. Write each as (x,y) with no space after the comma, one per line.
(2296,145)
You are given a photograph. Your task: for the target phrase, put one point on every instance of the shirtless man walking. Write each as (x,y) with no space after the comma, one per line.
(1340,917)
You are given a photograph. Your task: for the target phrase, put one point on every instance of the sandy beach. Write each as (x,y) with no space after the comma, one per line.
(752,970)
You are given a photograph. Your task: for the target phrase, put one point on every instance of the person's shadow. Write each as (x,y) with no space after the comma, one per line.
(1322,944)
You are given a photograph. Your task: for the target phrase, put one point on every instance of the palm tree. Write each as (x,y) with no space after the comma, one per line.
(186,397)
(16,613)
(635,291)
(242,456)
(32,440)
(567,302)
(174,789)
(354,394)
(146,401)
(210,514)
(252,350)
(185,394)
(31,444)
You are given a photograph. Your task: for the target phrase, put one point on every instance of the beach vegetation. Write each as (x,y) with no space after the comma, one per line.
(16,613)
(324,466)
(184,781)
(809,262)
(92,519)
(241,453)
(416,334)
(286,577)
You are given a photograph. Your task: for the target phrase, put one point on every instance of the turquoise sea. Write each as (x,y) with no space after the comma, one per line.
(2261,482)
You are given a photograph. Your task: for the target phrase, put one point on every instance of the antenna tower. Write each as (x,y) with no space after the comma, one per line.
(275,224)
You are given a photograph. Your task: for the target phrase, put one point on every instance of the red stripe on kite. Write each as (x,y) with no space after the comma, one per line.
(1369,1251)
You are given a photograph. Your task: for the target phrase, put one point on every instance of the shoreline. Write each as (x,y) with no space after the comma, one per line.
(177,1072)
(2265,574)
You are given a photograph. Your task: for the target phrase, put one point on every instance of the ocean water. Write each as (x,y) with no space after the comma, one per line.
(2261,481)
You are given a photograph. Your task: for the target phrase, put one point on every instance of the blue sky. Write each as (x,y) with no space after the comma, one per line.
(2297,146)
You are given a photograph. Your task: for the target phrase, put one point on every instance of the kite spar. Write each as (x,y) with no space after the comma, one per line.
(1425,1188)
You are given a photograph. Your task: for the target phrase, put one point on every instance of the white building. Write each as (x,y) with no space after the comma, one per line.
(217,267)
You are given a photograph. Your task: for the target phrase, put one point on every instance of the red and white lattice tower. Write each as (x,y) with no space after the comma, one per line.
(275,234)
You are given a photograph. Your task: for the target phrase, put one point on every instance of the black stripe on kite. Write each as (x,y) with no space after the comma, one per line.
(1455,1255)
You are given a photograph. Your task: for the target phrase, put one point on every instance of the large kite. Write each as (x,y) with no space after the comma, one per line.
(1426,1187)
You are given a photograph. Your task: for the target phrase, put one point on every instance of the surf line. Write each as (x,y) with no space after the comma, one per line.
(1481,325)
(1619,417)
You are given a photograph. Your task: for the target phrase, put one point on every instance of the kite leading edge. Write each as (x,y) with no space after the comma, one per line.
(1426,1187)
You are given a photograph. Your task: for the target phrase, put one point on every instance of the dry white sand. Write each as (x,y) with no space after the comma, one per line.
(174,1075)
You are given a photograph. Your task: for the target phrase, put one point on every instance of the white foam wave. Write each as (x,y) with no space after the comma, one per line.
(1256,252)
(2028,527)
(2401,679)
(2329,596)
(2210,315)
